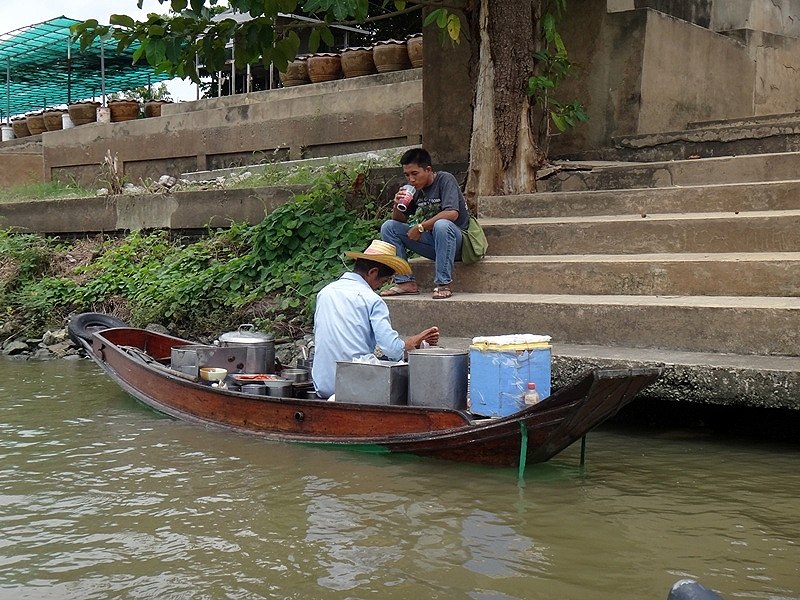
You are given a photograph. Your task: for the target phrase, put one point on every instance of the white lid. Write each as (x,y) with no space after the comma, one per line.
(514,338)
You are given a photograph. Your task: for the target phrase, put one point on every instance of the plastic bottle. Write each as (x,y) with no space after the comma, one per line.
(531,396)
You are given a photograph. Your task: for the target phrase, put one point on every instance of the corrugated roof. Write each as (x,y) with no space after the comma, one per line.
(45,69)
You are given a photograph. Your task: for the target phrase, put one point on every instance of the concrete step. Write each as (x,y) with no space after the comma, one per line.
(777,195)
(761,120)
(719,324)
(741,274)
(752,168)
(753,231)
(702,377)
(735,137)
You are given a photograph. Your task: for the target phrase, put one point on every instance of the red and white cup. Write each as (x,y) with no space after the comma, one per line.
(404,197)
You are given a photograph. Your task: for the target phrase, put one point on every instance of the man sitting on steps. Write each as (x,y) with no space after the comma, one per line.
(438,212)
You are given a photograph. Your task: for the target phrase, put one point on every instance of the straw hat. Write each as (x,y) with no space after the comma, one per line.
(383,253)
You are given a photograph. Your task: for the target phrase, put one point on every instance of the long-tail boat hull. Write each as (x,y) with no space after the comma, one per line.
(138,361)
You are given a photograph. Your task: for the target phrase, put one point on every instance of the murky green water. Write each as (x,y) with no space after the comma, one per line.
(102,498)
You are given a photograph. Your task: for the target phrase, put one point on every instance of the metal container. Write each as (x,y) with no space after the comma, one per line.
(278,388)
(191,357)
(295,375)
(260,348)
(438,378)
(259,389)
(364,383)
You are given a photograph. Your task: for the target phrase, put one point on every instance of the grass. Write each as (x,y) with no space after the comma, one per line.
(52,190)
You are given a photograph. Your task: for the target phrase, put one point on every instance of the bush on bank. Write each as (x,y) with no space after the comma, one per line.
(266,274)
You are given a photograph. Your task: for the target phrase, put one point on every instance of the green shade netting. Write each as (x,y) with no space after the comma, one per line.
(41,68)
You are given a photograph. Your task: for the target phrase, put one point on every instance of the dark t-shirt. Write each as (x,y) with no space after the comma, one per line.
(442,194)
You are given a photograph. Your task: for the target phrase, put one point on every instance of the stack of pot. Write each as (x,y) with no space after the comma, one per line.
(260,348)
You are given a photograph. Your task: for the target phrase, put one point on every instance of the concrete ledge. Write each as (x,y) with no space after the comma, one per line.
(182,210)
(703,378)
(782,166)
(686,323)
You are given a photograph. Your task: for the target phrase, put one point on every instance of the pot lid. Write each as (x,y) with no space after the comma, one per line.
(246,334)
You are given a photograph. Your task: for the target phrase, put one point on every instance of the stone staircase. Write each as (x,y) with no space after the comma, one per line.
(694,264)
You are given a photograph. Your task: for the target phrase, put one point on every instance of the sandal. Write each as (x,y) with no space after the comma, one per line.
(442,292)
(398,291)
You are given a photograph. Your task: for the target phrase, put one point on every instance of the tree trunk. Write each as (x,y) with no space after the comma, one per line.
(504,155)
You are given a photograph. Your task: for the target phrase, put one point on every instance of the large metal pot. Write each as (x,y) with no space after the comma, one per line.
(260,356)
(438,377)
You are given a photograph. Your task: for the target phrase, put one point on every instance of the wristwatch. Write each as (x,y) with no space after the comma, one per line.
(420,228)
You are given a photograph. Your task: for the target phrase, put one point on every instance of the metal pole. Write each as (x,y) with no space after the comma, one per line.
(219,84)
(197,72)
(248,79)
(8,89)
(69,70)
(583,450)
(103,71)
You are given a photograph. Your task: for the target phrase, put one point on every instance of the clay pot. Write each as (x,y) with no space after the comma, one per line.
(82,113)
(35,123)
(20,127)
(324,67)
(296,72)
(123,110)
(53,120)
(152,108)
(357,62)
(414,47)
(390,55)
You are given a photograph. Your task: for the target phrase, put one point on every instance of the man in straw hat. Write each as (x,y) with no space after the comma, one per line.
(352,320)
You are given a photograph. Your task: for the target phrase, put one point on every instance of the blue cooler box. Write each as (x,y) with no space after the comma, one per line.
(500,368)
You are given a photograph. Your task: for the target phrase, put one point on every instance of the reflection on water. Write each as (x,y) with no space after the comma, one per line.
(102,498)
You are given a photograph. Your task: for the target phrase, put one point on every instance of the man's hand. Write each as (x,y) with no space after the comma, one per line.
(430,335)
(413,233)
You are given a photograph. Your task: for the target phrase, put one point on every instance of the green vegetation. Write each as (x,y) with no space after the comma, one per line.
(266,274)
(41,191)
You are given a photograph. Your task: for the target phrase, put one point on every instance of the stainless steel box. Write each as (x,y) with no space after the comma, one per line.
(364,383)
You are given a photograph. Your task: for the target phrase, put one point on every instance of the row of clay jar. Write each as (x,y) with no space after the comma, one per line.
(383,57)
(81,113)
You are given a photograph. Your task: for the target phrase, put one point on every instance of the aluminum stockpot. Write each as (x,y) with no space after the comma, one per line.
(437,377)
(259,389)
(295,375)
(278,388)
(260,348)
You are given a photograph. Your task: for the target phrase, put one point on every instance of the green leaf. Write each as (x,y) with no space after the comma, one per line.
(313,40)
(179,5)
(122,20)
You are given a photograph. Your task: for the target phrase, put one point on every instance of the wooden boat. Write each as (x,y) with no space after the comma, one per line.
(138,361)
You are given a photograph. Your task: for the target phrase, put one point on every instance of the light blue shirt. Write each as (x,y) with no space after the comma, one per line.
(350,320)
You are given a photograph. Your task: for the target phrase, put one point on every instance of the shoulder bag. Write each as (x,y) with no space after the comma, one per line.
(474,244)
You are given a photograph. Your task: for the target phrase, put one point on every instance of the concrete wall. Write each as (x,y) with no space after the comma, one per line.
(691,74)
(20,169)
(447,96)
(348,115)
(645,72)
(777,61)
(781,17)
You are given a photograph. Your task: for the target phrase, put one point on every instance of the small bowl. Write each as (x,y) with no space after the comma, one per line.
(213,373)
